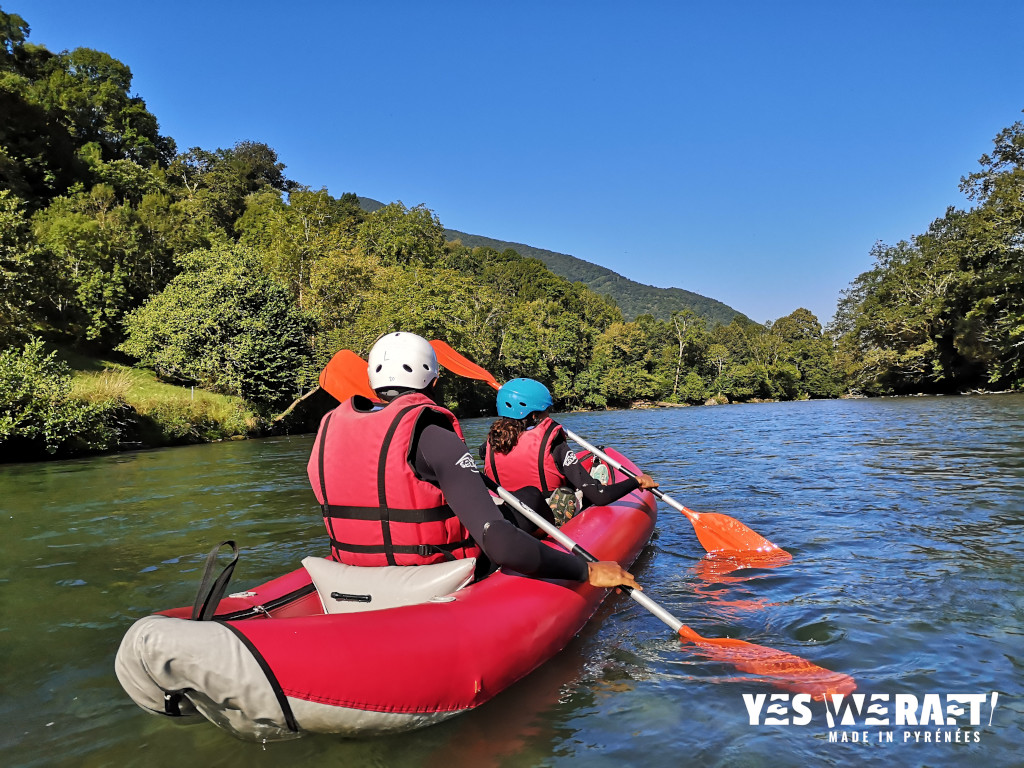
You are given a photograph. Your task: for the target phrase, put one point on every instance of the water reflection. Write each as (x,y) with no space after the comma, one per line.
(727,582)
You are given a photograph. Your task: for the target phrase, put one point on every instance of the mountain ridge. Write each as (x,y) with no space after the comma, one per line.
(633,298)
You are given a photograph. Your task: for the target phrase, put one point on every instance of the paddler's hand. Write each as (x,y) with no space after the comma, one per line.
(608,573)
(646,481)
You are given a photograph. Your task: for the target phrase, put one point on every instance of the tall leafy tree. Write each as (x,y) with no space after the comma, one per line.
(899,313)
(992,248)
(103,259)
(296,234)
(399,235)
(689,362)
(223,324)
(17,271)
(811,352)
(943,312)
(37,151)
(216,184)
(626,354)
(90,90)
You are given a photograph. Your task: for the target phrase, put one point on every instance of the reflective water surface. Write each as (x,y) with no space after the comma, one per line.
(903,517)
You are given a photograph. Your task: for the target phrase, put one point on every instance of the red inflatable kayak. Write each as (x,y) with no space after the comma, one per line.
(272,664)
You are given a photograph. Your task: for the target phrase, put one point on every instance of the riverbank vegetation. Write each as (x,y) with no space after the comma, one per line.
(210,269)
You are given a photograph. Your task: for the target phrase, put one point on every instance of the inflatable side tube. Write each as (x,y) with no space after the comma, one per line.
(207,670)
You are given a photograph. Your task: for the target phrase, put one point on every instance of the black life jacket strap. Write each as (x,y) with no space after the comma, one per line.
(493,463)
(422,550)
(543,454)
(382,492)
(320,462)
(433,515)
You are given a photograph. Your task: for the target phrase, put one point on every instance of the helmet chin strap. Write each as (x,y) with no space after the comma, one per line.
(390,393)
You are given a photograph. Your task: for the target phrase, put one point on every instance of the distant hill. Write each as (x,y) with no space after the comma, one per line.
(633,298)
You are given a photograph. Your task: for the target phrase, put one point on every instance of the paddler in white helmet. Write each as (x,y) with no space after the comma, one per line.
(398,485)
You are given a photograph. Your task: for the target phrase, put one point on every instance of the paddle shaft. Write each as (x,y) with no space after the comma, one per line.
(605,457)
(580,552)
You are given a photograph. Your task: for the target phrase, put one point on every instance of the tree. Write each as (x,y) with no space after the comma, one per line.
(626,354)
(37,153)
(523,280)
(991,330)
(433,303)
(811,352)
(216,184)
(14,31)
(224,325)
(398,235)
(945,312)
(692,343)
(899,314)
(293,236)
(103,259)
(17,271)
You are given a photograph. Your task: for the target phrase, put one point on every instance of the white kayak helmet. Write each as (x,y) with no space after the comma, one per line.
(401,360)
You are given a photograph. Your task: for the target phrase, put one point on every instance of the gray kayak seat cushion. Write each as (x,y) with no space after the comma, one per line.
(354,588)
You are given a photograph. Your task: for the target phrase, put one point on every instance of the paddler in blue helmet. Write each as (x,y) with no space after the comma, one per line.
(431,471)
(527,450)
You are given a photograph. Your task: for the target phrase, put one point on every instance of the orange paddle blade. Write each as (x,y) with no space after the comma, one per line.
(345,375)
(721,533)
(461,365)
(784,669)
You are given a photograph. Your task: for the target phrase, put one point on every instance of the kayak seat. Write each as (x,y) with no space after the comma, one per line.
(352,588)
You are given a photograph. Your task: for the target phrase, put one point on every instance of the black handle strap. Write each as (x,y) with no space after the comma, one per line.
(212,590)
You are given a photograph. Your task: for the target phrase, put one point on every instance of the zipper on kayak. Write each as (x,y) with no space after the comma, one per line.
(267,607)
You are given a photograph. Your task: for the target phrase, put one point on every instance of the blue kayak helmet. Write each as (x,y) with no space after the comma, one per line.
(518,398)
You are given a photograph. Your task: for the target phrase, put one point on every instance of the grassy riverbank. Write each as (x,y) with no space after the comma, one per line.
(58,403)
(165,414)
(155,413)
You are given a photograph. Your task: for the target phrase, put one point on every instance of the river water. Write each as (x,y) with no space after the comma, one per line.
(903,517)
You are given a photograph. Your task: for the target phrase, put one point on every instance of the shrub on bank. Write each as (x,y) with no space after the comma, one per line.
(48,411)
(39,414)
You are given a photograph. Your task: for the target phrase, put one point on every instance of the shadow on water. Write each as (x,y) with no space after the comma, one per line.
(903,518)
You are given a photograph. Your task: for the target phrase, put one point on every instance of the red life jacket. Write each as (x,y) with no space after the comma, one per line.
(377,510)
(530,462)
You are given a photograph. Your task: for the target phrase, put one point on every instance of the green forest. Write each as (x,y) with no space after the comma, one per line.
(132,271)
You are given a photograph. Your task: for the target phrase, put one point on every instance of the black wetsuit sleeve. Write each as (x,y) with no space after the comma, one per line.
(593,491)
(442,458)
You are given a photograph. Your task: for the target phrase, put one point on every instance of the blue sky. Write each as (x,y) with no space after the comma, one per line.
(752,152)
